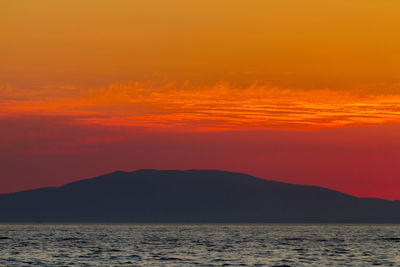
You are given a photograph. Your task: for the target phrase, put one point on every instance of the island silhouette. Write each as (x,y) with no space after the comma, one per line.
(192,196)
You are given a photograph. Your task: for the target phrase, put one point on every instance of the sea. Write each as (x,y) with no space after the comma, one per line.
(199,245)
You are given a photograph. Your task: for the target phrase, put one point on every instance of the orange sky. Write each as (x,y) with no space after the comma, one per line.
(339,44)
(201,66)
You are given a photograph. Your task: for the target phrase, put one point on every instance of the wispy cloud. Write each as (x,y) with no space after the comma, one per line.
(218,107)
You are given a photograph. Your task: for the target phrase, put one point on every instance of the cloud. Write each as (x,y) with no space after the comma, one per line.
(198,108)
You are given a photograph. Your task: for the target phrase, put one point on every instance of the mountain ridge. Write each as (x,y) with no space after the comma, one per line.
(150,195)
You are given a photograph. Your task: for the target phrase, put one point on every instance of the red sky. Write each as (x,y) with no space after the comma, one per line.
(305,92)
(363,161)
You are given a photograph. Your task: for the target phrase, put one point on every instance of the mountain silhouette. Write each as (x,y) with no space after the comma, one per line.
(191,196)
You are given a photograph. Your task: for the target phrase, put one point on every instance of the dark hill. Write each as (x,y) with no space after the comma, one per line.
(191,196)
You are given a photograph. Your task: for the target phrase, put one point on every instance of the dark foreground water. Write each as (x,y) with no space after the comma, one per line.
(201,244)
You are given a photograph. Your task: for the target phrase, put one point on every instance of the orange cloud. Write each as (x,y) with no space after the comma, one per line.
(218,107)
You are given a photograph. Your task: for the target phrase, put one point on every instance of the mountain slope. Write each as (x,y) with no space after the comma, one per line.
(191,196)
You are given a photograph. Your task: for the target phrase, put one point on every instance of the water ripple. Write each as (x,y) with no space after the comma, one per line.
(198,244)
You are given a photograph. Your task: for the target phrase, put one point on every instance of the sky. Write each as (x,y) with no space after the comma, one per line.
(305,92)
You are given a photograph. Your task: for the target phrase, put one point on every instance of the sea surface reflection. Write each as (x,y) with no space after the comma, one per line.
(199,244)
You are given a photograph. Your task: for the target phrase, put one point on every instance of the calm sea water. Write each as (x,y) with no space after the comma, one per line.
(198,244)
